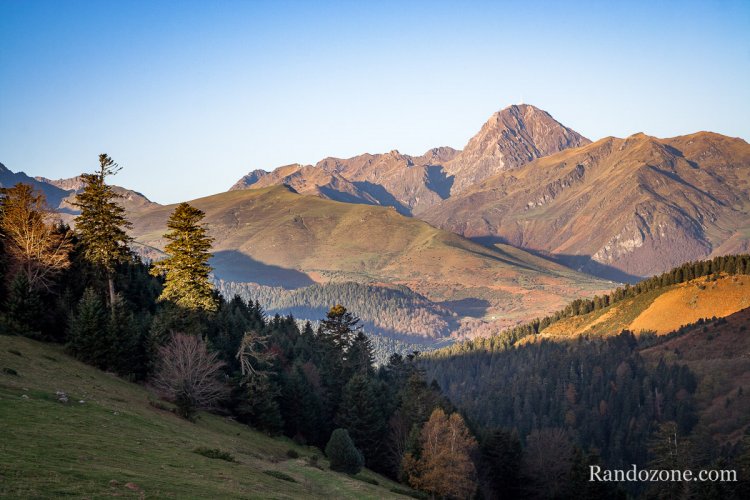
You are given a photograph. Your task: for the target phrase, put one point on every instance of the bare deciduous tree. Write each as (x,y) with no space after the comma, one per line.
(188,375)
(253,354)
(37,248)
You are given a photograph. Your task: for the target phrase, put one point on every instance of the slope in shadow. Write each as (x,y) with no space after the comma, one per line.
(382,196)
(438,182)
(580,263)
(232,265)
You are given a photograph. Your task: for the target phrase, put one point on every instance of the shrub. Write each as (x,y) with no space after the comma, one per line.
(214,453)
(342,453)
(10,371)
(292,453)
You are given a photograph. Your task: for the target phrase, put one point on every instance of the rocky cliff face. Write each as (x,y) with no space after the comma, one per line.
(634,206)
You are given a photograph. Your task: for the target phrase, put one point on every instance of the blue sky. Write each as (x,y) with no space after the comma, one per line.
(190,96)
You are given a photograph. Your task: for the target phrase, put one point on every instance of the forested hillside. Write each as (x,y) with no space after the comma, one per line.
(612,392)
(393,311)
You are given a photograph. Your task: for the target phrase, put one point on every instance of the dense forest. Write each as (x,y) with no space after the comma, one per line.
(393,311)
(527,421)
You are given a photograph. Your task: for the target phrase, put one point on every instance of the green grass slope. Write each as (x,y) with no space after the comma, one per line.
(109,440)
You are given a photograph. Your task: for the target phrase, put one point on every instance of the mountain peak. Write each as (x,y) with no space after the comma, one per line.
(510,138)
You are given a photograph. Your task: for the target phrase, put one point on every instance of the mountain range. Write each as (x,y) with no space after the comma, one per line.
(620,209)
(60,193)
(414,184)
(529,215)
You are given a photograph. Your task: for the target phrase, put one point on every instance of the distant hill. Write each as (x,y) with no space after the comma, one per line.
(413,184)
(276,237)
(693,292)
(618,208)
(660,311)
(54,194)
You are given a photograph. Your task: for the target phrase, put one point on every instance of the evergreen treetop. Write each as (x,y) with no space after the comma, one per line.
(186,268)
(101,225)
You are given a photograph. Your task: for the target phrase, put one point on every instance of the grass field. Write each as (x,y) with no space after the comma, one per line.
(112,438)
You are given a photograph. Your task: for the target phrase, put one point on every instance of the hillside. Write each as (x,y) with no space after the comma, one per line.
(509,139)
(113,439)
(275,237)
(617,208)
(670,353)
(660,311)
(718,351)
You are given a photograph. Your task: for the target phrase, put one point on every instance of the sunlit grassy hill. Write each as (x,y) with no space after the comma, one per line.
(274,236)
(112,438)
(661,311)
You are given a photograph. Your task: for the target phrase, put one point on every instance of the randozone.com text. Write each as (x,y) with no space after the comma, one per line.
(659,475)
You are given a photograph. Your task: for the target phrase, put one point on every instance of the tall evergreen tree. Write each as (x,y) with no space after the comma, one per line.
(360,414)
(359,357)
(88,337)
(101,225)
(341,326)
(186,269)
(24,307)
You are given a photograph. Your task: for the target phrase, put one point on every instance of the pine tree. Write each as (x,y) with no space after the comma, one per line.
(87,331)
(260,406)
(359,357)
(341,326)
(186,269)
(101,225)
(24,307)
(127,356)
(361,415)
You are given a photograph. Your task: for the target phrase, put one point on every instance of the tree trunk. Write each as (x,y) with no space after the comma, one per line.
(111,282)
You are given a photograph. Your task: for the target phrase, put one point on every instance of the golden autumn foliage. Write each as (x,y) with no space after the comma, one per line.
(444,467)
(37,248)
